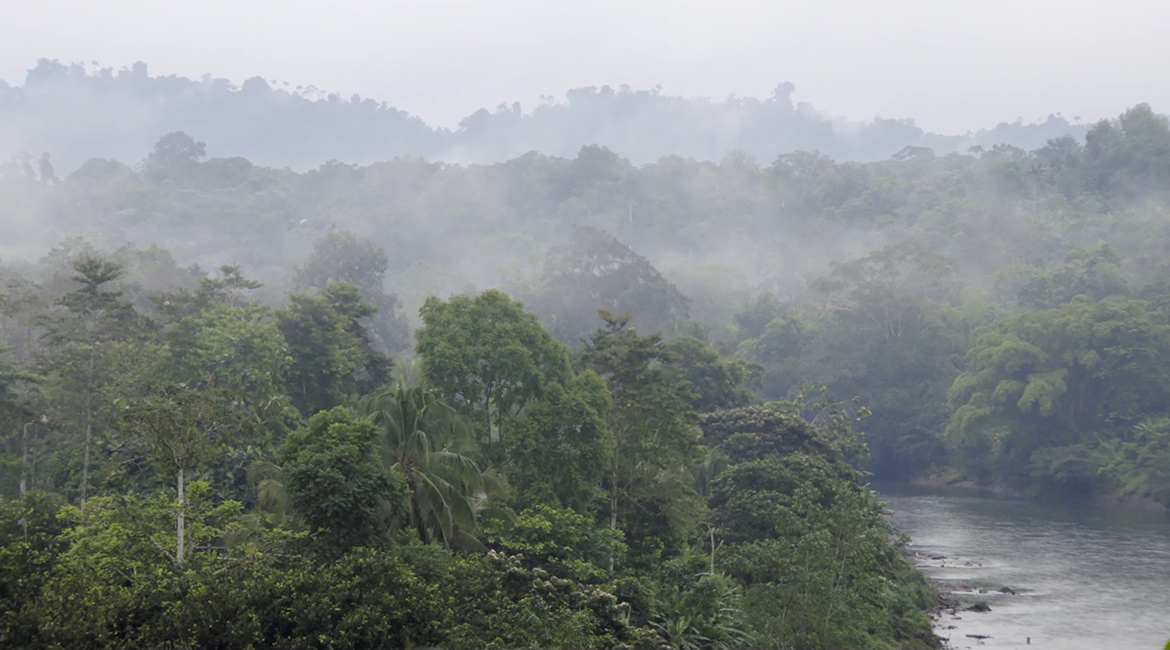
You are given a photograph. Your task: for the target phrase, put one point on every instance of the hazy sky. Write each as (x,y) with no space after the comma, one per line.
(952,65)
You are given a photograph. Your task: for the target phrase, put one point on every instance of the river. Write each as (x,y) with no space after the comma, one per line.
(1086,577)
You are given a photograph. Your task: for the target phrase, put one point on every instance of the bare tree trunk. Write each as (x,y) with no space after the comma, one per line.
(711,530)
(487,410)
(24,459)
(181,523)
(88,430)
(85,463)
(613,500)
(88,442)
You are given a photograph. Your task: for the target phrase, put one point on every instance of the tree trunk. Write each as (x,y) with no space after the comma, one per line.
(711,530)
(88,430)
(181,523)
(88,441)
(85,463)
(487,410)
(613,500)
(24,460)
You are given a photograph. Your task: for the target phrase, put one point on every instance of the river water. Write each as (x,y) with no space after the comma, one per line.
(1086,577)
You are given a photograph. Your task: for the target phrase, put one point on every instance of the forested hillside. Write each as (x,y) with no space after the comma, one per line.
(871,278)
(200,470)
(77,112)
(613,423)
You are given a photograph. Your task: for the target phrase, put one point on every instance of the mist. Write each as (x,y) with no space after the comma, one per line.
(75,112)
(595,325)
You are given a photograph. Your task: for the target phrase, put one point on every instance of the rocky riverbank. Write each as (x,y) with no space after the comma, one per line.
(957,601)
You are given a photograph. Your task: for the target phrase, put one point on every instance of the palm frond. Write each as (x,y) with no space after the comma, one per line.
(433,446)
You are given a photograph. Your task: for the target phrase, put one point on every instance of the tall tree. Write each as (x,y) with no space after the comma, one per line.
(333,358)
(184,428)
(337,481)
(650,418)
(342,256)
(175,155)
(237,349)
(425,441)
(94,317)
(715,383)
(594,270)
(488,357)
(566,429)
(17,416)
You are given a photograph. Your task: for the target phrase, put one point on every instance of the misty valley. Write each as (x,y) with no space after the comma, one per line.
(579,398)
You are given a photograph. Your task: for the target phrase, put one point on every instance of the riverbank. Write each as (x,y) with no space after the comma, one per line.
(955,600)
(1131,501)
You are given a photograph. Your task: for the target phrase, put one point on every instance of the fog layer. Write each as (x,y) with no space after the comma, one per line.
(74,113)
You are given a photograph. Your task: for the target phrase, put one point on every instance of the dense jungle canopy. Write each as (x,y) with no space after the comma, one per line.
(555,401)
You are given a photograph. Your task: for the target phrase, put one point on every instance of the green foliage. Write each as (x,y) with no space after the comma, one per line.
(1136,463)
(333,359)
(230,289)
(715,383)
(238,349)
(30,543)
(337,482)
(596,271)
(1094,273)
(95,353)
(566,429)
(693,609)
(1041,388)
(16,418)
(1127,157)
(654,436)
(803,536)
(756,432)
(184,427)
(427,443)
(364,599)
(343,257)
(562,542)
(888,328)
(809,543)
(1028,287)
(93,306)
(108,588)
(758,499)
(488,357)
(175,154)
(497,603)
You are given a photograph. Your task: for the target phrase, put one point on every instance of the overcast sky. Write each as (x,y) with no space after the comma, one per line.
(952,65)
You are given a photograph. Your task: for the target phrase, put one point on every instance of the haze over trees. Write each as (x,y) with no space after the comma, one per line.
(272,124)
(635,410)
(872,278)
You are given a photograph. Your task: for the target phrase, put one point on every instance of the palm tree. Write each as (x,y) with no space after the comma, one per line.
(430,445)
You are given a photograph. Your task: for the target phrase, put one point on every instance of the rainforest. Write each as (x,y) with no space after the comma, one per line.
(557,401)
